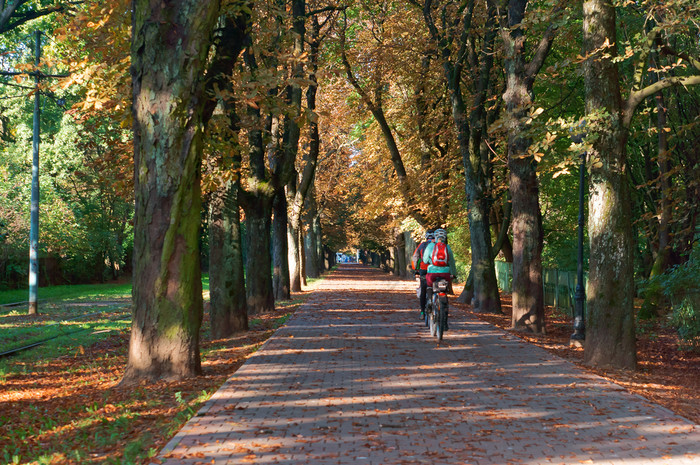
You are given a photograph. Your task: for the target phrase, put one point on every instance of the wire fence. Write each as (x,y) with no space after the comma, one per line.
(559,286)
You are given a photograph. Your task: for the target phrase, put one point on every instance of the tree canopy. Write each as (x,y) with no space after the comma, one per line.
(287,130)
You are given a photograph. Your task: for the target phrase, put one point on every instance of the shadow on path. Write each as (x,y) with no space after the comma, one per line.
(354,377)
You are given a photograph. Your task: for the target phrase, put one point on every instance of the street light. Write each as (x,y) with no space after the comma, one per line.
(577,339)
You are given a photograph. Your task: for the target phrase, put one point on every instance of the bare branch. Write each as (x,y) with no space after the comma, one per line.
(637,97)
(326,9)
(642,62)
(545,44)
(9,13)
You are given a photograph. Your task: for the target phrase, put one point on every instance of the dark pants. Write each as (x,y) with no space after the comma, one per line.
(423,290)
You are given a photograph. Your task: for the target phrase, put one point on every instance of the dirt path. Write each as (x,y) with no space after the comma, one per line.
(354,377)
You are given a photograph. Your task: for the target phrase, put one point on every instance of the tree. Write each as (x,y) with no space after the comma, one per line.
(452,47)
(610,339)
(169,56)
(228,306)
(528,298)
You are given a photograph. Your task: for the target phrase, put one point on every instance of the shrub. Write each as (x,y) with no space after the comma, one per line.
(681,289)
(686,319)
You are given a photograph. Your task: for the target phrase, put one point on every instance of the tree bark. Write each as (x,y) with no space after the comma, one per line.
(228,308)
(313,265)
(486,298)
(610,337)
(293,225)
(256,201)
(258,260)
(169,56)
(528,236)
(280,275)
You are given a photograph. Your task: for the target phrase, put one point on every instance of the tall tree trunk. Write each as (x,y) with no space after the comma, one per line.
(312,255)
(293,225)
(610,338)
(256,200)
(528,236)
(228,308)
(484,274)
(318,233)
(302,255)
(258,258)
(654,293)
(169,56)
(280,274)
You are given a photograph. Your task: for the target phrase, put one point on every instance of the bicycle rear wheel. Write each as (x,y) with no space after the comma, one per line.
(433,317)
(441,320)
(440,323)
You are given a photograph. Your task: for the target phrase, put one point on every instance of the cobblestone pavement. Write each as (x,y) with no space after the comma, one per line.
(354,378)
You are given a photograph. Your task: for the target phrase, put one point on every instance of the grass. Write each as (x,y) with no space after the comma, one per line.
(61,401)
(71,317)
(78,292)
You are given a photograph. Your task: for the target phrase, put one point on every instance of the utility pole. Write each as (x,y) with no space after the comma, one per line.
(34,213)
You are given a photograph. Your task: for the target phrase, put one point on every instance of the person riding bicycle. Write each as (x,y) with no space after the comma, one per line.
(420,268)
(440,260)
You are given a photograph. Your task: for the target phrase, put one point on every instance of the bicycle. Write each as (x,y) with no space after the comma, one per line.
(437,315)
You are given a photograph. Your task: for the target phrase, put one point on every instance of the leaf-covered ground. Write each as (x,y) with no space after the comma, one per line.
(666,375)
(70,409)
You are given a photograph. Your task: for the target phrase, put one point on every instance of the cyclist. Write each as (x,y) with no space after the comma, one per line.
(421,269)
(440,260)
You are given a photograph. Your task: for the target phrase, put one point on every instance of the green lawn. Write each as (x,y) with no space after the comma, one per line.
(82,313)
(77,292)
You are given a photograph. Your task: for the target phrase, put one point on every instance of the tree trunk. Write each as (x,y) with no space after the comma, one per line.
(485,286)
(280,275)
(302,255)
(528,296)
(293,226)
(258,258)
(312,260)
(228,308)
(468,292)
(486,297)
(610,338)
(318,234)
(653,294)
(169,57)
(256,201)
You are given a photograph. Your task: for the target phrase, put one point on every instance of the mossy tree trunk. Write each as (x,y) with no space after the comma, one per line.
(228,308)
(280,274)
(258,258)
(610,337)
(313,262)
(528,236)
(169,55)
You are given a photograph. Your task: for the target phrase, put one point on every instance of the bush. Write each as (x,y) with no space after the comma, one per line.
(681,289)
(686,319)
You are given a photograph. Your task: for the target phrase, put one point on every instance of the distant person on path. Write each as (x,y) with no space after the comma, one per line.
(420,268)
(440,260)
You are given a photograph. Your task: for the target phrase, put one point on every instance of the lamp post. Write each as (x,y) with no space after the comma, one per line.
(34,212)
(578,337)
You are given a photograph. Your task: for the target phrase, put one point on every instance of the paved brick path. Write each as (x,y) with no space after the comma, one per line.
(354,378)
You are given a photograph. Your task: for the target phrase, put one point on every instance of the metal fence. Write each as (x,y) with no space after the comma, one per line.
(559,286)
